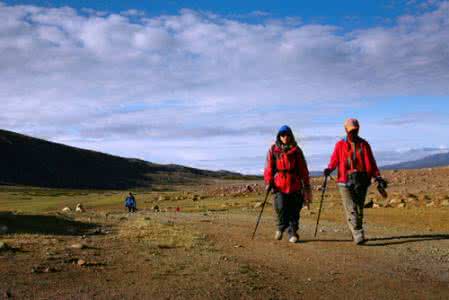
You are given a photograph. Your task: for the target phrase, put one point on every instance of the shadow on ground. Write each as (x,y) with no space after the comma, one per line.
(327,241)
(404,239)
(44,224)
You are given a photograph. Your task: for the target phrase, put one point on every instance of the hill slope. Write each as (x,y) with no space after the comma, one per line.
(29,161)
(431,161)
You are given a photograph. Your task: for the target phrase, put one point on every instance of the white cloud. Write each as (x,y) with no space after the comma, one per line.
(70,75)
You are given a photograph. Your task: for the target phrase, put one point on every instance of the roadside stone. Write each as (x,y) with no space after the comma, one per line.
(78,246)
(81,262)
(66,209)
(445,203)
(258,204)
(49,270)
(80,208)
(395,201)
(167,222)
(376,205)
(430,204)
(4,246)
(401,205)
(369,204)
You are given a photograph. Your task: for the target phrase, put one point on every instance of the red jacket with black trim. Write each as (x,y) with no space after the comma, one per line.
(344,153)
(286,171)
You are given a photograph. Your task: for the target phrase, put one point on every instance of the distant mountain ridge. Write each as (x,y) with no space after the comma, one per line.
(431,161)
(25,160)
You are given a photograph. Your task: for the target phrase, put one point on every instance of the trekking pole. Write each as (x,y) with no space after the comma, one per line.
(321,204)
(261,211)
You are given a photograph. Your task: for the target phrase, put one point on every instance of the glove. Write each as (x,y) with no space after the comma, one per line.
(381,182)
(269,187)
(327,172)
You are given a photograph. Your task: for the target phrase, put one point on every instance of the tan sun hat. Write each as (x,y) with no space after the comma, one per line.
(351,124)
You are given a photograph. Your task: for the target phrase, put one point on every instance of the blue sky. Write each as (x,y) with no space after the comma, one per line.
(207,84)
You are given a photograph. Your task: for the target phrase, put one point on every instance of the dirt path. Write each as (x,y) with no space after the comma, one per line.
(199,256)
(411,267)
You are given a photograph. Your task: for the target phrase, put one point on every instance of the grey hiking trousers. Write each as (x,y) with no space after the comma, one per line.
(288,209)
(353,203)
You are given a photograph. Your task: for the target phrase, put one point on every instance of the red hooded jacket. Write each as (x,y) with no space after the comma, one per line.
(343,159)
(286,171)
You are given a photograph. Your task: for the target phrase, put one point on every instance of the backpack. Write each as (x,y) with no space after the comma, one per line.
(275,157)
(129,202)
(358,180)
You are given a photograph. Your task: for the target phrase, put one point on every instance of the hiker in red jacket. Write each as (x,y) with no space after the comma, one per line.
(287,175)
(356,167)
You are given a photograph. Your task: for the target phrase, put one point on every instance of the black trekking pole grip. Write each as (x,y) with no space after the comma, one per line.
(321,204)
(261,211)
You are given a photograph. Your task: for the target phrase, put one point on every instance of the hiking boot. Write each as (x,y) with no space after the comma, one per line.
(278,235)
(359,239)
(293,239)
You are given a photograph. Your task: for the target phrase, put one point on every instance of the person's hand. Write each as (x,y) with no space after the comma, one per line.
(269,187)
(327,172)
(381,182)
(308,197)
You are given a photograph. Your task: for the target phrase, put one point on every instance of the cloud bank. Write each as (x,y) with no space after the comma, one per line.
(125,83)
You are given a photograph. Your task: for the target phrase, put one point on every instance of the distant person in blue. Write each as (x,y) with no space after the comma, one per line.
(130,203)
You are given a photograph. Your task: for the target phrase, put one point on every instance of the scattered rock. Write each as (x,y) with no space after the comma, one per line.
(79,208)
(430,204)
(375,205)
(401,205)
(49,270)
(66,209)
(78,246)
(444,203)
(395,201)
(3,229)
(258,204)
(97,230)
(155,208)
(369,204)
(81,262)
(43,269)
(426,198)
(4,246)
(167,223)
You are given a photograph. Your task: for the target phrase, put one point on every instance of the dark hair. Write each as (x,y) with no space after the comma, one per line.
(288,132)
